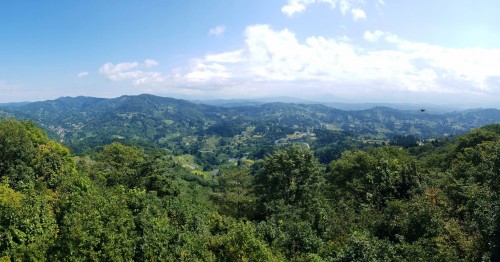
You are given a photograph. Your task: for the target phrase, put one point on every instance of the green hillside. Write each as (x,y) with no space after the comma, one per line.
(84,123)
(437,202)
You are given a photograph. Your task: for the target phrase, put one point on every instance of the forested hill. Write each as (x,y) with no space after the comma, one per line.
(124,203)
(84,122)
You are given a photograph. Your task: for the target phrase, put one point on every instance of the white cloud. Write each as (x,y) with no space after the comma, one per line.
(373,36)
(295,6)
(270,57)
(217,31)
(227,57)
(110,69)
(150,63)
(205,73)
(276,62)
(345,6)
(358,14)
(132,71)
(82,74)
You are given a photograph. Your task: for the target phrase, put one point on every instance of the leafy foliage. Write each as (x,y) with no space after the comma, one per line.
(129,203)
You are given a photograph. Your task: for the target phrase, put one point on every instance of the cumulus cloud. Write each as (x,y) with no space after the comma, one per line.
(82,74)
(112,70)
(358,14)
(227,57)
(373,36)
(276,61)
(295,6)
(132,71)
(217,31)
(345,6)
(202,72)
(150,63)
(277,56)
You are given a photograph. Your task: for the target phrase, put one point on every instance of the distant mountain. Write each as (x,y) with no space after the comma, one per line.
(252,102)
(435,109)
(339,105)
(13,105)
(86,122)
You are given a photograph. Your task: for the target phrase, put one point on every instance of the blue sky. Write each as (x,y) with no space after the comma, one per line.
(442,52)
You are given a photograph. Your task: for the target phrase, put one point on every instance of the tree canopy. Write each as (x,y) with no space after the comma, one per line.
(128,203)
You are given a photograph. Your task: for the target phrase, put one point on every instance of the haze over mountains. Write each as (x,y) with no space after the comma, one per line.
(435,108)
(174,123)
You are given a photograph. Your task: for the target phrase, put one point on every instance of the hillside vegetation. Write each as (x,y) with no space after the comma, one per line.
(437,202)
(216,135)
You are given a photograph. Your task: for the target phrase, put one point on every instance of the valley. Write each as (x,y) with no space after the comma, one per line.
(152,178)
(216,134)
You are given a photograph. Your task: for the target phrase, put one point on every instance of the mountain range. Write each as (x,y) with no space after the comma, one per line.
(163,121)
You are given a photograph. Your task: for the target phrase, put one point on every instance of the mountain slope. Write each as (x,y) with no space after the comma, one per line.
(180,124)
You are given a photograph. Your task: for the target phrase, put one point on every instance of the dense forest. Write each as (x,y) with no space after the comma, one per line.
(437,202)
(167,180)
(216,134)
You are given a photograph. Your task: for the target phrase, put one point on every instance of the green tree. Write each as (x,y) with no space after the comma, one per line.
(119,164)
(289,189)
(235,193)
(159,173)
(291,177)
(28,228)
(28,156)
(55,163)
(19,145)
(95,225)
(238,241)
(374,176)
(171,228)
(474,192)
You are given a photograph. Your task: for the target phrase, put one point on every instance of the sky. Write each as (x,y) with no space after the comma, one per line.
(381,51)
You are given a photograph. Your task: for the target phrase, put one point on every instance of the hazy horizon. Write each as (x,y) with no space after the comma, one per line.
(341,104)
(345,51)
